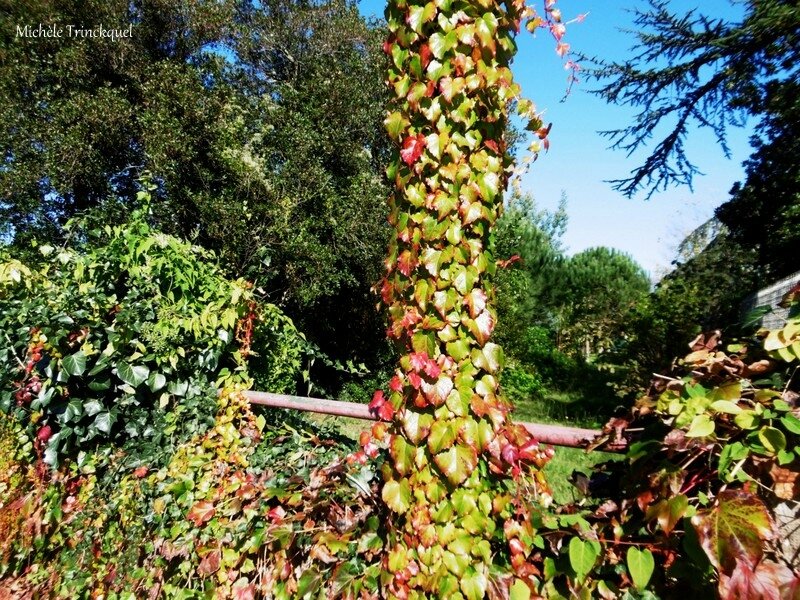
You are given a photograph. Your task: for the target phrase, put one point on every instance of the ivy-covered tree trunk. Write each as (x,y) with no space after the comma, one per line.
(460,473)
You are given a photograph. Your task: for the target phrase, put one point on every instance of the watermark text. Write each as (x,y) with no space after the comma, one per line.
(73,31)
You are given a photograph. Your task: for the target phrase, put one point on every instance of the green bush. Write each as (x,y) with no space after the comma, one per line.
(521,383)
(124,335)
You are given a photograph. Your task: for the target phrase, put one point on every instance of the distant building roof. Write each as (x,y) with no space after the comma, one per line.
(771,296)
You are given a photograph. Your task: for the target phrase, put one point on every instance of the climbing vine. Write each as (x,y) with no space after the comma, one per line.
(460,473)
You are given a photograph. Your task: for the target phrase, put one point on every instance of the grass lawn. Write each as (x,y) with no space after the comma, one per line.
(560,468)
(562,408)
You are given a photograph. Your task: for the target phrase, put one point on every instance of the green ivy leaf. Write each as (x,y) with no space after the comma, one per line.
(100,385)
(395,124)
(74,411)
(416,425)
(726,406)
(702,426)
(403,454)
(74,364)
(474,583)
(457,463)
(442,436)
(519,591)
(102,422)
(773,439)
(418,15)
(397,495)
(458,350)
(747,419)
(133,375)
(156,381)
(640,566)
(441,43)
(92,407)
(791,423)
(582,556)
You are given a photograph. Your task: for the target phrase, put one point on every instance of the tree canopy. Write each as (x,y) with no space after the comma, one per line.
(260,122)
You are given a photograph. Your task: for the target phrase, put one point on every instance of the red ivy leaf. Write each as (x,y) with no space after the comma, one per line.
(406,263)
(734,530)
(415,380)
(769,580)
(210,563)
(378,400)
(387,292)
(412,148)
(418,360)
(359,457)
(425,55)
(386,411)
(529,450)
(432,370)
(492,145)
(510,454)
(410,318)
(396,384)
(371,449)
(244,590)
(202,512)
(277,514)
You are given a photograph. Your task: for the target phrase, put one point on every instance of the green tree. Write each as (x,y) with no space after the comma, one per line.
(763,213)
(528,290)
(81,116)
(603,286)
(309,219)
(702,293)
(261,122)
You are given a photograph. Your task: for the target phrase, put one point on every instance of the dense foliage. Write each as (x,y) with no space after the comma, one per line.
(706,497)
(127,327)
(124,470)
(132,461)
(460,476)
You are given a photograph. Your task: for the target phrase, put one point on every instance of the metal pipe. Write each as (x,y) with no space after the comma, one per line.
(558,435)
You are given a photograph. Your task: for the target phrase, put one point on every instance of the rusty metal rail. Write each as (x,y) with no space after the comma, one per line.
(558,435)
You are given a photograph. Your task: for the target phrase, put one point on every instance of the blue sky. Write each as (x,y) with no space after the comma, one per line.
(579,160)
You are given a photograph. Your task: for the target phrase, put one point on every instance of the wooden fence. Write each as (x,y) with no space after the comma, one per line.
(557,435)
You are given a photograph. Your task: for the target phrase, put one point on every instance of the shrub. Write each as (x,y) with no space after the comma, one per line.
(699,503)
(124,334)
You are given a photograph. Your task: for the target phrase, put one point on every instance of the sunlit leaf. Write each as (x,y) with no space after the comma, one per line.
(640,566)
(734,529)
(457,463)
(74,364)
(397,495)
(133,375)
(201,512)
(582,555)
